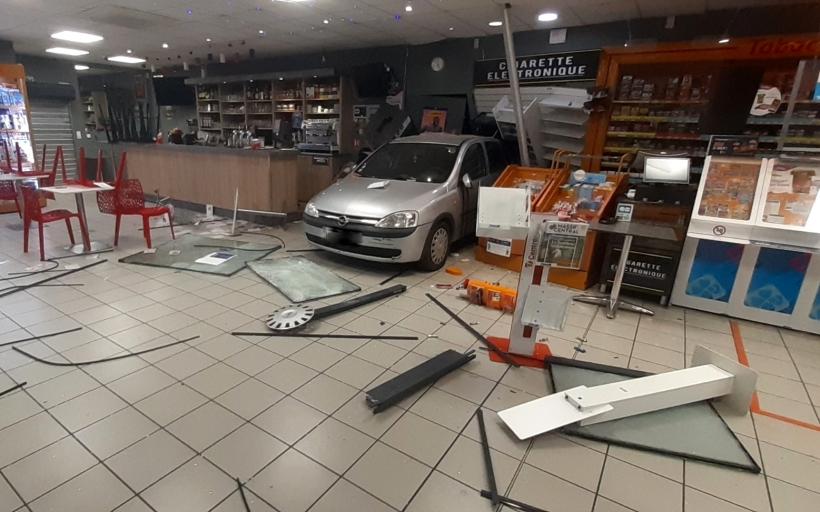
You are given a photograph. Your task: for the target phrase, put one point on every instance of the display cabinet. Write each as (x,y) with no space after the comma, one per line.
(15,119)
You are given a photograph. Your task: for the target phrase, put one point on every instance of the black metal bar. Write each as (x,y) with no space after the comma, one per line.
(52,278)
(359,301)
(394,276)
(106,360)
(520,505)
(480,337)
(331,336)
(488,461)
(242,493)
(18,386)
(32,338)
(588,365)
(405,384)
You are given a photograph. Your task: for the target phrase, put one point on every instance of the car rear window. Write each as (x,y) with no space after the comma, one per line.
(407,161)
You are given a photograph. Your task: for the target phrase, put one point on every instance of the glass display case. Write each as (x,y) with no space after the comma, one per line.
(727,199)
(14,121)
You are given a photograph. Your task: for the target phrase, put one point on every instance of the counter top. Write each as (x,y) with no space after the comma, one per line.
(181,148)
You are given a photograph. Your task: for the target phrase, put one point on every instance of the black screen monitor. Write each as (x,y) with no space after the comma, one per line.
(666,170)
(172,91)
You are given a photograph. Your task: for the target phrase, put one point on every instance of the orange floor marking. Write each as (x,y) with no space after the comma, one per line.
(743,358)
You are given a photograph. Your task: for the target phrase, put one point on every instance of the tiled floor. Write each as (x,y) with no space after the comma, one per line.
(169,431)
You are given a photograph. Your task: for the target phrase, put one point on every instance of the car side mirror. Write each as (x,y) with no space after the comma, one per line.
(468,183)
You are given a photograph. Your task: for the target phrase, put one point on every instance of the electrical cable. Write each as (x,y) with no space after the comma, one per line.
(52,278)
(105,360)
(49,335)
(18,386)
(264,234)
(42,285)
(330,336)
(304,250)
(242,493)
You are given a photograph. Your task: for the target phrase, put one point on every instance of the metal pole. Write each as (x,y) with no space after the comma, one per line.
(512,70)
(235,209)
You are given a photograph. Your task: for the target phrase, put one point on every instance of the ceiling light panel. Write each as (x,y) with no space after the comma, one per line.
(76,37)
(72,52)
(125,59)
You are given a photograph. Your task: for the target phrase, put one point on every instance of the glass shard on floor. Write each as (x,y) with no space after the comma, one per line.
(301,280)
(693,431)
(184,252)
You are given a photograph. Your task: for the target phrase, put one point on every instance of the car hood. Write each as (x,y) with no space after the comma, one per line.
(373,198)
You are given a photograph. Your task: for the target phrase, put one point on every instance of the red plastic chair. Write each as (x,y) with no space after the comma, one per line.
(33,212)
(131,201)
(107,199)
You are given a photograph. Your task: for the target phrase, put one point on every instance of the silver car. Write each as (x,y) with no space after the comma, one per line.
(408,201)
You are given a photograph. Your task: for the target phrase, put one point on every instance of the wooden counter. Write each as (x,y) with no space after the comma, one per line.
(267,179)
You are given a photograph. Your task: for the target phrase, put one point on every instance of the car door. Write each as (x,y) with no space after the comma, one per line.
(474,165)
(496,161)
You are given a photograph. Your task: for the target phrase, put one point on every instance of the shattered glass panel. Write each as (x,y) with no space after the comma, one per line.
(183,252)
(694,431)
(301,280)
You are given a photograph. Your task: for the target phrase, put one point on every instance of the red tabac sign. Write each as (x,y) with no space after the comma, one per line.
(784,47)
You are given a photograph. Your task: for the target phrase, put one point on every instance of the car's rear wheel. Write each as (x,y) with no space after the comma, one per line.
(436,247)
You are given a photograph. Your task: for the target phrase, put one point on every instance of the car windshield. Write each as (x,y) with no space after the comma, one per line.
(406,161)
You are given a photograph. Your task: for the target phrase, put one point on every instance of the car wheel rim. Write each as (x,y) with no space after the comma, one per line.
(438,247)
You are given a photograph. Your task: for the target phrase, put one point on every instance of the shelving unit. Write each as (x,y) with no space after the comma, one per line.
(657,111)
(269,100)
(89,112)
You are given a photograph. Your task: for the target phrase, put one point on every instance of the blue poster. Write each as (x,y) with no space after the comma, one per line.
(714,270)
(777,279)
(814,314)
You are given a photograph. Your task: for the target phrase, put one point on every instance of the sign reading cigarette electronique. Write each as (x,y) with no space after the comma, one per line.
(552,67)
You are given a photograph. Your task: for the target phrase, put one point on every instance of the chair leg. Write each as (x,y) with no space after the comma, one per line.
(42,244)
(117,230)
(26,226)
(146,230)
(70,231)
(171,223)
(17,204)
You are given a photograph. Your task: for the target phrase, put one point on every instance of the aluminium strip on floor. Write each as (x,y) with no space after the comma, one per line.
(330,336)
(52,278)
(242,494)
(16,387)
(32,338)
(514,504)
(105,360)
(488,461)
(480,337)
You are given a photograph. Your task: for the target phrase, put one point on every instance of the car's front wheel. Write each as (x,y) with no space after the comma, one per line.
(436,247)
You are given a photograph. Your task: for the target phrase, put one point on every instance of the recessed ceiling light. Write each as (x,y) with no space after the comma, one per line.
(81,67)
(165,45)
(495,23)
(76,37)
(125,59)
(66,51)
(325,21)
(208,39)
(289,1)
(408,8)
(547,16)
(723,40)
(129,51)
(261,32)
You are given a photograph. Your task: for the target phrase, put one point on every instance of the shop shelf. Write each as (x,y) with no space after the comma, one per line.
(657,119)
(662,102)
(327,98)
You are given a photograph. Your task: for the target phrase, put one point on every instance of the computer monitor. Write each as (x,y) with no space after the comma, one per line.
(666,170)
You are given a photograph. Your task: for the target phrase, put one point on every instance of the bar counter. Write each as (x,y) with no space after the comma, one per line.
(267,179)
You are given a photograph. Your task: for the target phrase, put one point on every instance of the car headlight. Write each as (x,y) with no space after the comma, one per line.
(311,211)
(399,220)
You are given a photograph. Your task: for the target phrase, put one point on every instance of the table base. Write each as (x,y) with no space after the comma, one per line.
(612,305)
(94,247)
